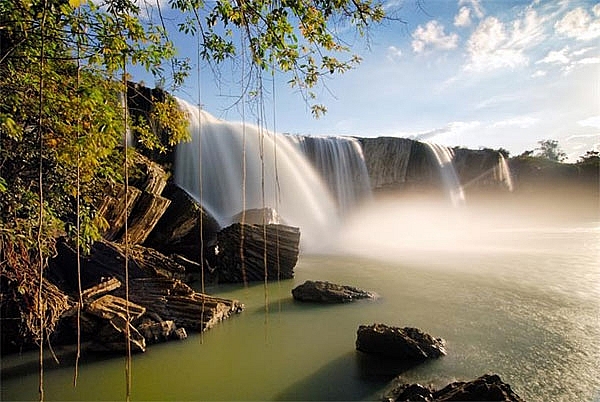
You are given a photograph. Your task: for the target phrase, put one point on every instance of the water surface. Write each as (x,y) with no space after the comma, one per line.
(519,298)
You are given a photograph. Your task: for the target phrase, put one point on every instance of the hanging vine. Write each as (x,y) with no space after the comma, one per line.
(78,208)
(40,296)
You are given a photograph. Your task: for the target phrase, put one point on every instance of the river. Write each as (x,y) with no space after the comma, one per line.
(514,292)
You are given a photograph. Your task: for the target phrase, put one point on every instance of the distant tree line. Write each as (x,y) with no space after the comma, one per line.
(551,150)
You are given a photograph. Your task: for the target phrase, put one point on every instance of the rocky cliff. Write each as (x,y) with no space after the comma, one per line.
(401,163)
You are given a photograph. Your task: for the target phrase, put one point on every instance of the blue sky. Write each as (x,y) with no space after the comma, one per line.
(472,73)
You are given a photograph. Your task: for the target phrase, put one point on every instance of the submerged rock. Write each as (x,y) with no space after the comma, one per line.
(327,292)
(401,343)
(488,387)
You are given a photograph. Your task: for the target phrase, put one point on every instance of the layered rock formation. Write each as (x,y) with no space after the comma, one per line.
(158,306)
(248,252)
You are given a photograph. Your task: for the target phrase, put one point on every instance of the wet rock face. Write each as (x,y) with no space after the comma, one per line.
(387,160)
(488,387)
(326,292)
(399,343)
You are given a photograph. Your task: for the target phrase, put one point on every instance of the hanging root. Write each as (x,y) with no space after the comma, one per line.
(20,294)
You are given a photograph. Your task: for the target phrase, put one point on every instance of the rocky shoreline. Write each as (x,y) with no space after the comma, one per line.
(157,259)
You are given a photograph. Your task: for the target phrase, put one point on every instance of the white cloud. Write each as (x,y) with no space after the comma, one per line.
(463,18)
(539,73)
(579,24)
(593,121)
(589,60)
(556,57)
(486,48)
(432,35)
(583,51)
(490,34)
(393,53)
(493,46)
(452,129)
(519,121)
(498,100)
(475,6)
(527,31)
(568,60)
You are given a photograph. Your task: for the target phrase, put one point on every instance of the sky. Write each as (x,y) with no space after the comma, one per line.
(471,73)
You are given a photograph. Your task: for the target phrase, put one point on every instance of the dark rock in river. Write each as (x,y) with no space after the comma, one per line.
(401,343)
(326,292)
(488,387)
(267,249)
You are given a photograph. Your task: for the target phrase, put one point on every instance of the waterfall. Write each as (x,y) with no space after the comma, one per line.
(294,188)
(444,156)
(503,173)
(341,164)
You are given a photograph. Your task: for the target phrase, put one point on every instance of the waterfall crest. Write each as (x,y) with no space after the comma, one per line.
(214,162)
(341,164)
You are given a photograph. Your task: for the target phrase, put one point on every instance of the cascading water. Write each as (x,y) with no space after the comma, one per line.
(340,162)
(503,174)
(444,156)
(293,188)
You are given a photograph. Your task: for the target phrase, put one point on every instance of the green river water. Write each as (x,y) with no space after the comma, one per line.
(518,297)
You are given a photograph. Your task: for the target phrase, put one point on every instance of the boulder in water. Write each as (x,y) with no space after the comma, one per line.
(401,343)
(247,252)
(327,292)
(488,387)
